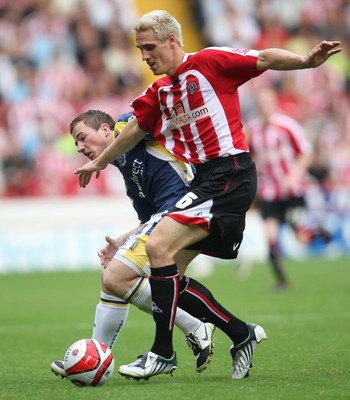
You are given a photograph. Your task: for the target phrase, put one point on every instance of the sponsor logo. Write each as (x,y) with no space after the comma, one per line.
(178,108)
(185,118)
(136,172)
(240,51)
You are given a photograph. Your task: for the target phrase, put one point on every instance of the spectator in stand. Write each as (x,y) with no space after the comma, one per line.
(229,23)
(48,63)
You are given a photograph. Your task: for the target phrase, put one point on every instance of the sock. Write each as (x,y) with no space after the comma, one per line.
(276,263)
(165,288)
(196,299)
(110,317)
(140,296)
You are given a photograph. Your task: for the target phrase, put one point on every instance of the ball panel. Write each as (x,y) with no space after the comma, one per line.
(89,362)
(104,371)
(84,355)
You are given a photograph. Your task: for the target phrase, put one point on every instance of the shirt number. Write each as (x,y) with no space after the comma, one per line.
(186,200)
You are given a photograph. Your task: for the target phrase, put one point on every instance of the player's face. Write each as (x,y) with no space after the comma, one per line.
(90,142)
(159,56)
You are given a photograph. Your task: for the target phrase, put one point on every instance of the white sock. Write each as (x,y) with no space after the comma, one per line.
(110,317)
(140,296)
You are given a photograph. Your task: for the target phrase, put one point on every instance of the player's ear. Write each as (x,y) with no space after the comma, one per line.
(172,39)
(106,129)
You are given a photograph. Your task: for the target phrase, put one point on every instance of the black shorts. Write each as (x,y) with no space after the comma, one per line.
(220,196)
(281,210)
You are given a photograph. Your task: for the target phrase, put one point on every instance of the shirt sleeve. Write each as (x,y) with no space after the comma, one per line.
(236,65)
(146,108)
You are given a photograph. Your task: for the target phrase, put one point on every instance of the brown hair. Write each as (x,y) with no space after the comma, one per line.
(92,119)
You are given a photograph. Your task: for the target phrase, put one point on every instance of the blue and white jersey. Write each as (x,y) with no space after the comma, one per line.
(154,179)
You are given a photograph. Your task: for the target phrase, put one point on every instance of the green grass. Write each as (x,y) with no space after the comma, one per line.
(306,356)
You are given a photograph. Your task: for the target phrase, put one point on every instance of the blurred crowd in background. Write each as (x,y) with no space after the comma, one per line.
(57,59)
(61,57)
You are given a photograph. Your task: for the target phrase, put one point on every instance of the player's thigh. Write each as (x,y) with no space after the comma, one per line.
(129,264)
(183,258)
(171,236)
(118,278)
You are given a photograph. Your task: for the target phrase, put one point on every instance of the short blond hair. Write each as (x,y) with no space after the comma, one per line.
(162,24)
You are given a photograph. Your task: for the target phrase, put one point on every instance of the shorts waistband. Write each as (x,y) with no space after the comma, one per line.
(222,161)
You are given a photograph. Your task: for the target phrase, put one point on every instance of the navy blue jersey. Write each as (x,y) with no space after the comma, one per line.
(154,179)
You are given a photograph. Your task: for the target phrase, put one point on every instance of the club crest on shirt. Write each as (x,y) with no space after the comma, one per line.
(192,87)
(121,161)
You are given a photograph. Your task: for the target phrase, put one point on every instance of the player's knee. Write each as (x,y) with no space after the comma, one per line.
(111,284)
(155,248)
(106,282)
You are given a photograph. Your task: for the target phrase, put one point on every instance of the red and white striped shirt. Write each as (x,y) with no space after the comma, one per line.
(276,146)
(196,114)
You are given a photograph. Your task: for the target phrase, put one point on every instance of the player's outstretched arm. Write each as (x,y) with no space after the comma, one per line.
(284,60)
(125,141)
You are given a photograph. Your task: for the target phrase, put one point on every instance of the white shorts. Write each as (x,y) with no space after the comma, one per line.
(132,252)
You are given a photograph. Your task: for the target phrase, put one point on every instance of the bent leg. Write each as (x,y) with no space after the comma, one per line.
(121,285)
(112,311)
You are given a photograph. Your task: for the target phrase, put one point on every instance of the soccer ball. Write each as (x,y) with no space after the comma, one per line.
(88,362)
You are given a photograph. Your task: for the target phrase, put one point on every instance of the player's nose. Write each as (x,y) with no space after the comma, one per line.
(80,148)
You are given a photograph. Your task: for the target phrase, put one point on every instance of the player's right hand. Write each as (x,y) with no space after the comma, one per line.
(86,171)
(320,53)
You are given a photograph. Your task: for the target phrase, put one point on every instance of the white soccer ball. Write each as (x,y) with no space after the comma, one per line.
(88,362)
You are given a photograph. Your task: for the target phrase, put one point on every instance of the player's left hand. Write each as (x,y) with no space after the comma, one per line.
(320,53)
(108,252)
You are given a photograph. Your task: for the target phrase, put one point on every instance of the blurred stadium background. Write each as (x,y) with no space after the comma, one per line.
(61,57)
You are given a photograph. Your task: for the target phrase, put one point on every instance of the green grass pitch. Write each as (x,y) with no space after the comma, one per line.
(306,357)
